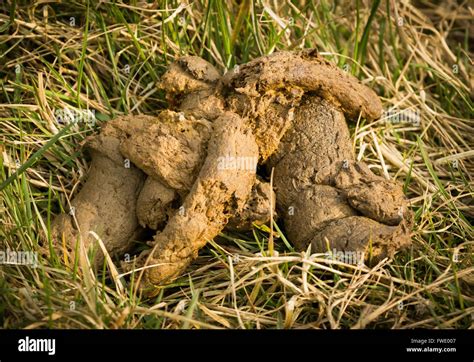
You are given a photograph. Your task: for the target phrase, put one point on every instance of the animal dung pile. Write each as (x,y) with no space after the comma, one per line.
(191,171)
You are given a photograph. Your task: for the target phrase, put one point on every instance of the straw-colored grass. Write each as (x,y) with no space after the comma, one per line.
(106,57)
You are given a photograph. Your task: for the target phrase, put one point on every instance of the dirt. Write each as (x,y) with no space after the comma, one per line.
(193,168)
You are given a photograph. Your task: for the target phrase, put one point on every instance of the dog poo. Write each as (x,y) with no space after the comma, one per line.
(192,170)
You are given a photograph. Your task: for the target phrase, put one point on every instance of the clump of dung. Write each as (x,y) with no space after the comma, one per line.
(193,168)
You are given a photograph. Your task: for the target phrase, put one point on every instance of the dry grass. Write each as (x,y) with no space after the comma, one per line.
(108,57)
